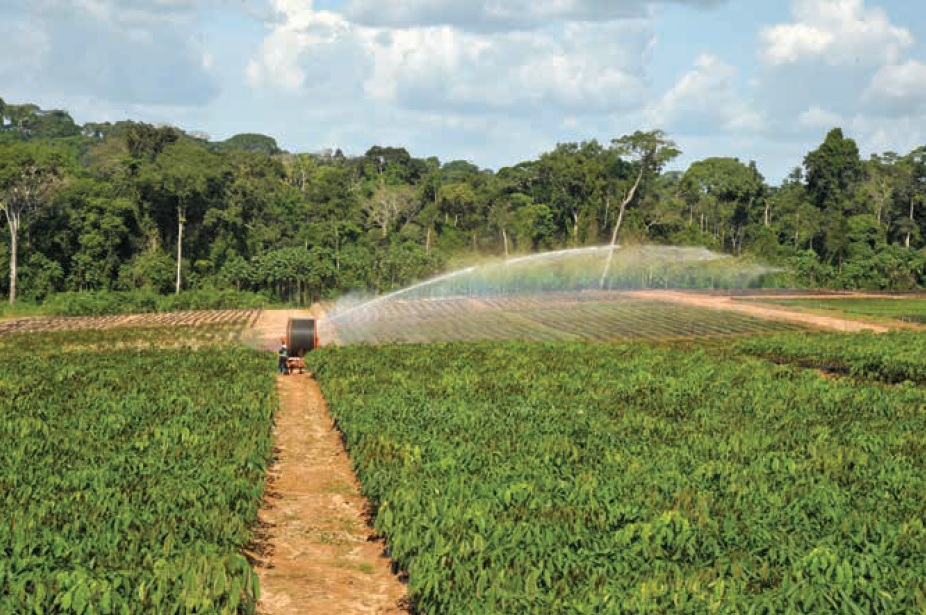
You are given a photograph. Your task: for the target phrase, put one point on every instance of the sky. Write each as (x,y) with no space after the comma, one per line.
(494,82)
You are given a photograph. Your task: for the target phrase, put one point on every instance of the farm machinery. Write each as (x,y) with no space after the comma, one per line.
(301,337)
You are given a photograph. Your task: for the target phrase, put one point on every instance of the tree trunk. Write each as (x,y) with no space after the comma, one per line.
(767,212)
(14,243)
(911,224)
(427,241)
(575,228)
(797,230)
(607,209)
(181,219)
(617,226)
(505,240)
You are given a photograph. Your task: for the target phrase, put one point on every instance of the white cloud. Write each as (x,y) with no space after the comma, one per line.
(306,39)
(834,32)
(498,15)
(126,52)
(897,89)
(816,118)
(835,62)
(577,67)
(706,99)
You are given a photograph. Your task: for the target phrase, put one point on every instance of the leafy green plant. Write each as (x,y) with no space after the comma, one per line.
(573,478)
(892,357)
(130,479)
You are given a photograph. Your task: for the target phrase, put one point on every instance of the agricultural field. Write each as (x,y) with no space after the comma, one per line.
(592,478)
(49,345)
(903,309)
(893,357)
(130,475)
(196,318)
(602,317)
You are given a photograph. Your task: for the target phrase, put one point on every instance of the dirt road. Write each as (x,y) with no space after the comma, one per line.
(768,312)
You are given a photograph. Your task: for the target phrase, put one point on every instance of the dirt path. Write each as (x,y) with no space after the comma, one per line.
(318,553)
(323,559)
(759,311)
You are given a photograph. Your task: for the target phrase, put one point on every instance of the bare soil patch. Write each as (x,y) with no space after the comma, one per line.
(319,554)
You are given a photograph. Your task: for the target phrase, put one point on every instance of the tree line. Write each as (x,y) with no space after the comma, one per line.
(127,205)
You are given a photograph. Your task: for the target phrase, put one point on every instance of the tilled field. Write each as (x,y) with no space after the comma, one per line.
(191,318)
(592,316)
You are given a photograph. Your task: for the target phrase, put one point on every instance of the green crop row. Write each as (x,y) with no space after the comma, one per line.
(573,479)
(53,343)
(892,357)
(591,321)
(130,479)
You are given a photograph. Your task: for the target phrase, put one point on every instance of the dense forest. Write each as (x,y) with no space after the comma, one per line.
(126,206)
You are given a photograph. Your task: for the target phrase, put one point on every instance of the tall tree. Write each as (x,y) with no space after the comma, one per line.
(879,184)
(389,204)
(500,218)
(651,151)
(184,177)
(732,189)
(28,176)
(911,192)
(833,173)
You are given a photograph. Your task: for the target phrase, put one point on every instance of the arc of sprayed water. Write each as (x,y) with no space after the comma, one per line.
(455,274)
(403,291)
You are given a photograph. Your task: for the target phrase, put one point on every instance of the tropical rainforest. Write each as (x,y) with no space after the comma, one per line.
(128,206)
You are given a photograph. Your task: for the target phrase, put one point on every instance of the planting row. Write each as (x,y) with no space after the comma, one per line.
(892,357)
(573,478)
(585,320)
(129,479)
(172,319)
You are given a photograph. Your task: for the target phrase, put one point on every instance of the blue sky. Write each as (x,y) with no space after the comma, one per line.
(491,81)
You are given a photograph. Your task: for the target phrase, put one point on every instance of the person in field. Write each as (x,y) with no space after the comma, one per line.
(284,354)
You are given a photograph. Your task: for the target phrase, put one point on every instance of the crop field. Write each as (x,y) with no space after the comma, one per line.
(172,319)
(576,478)
(903,309)
(893,357)
(49,345)
(130,475)
(545,317)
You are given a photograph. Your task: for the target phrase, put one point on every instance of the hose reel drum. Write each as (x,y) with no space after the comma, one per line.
(301,336)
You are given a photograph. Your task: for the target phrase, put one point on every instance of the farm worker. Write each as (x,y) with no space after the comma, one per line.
(281,365)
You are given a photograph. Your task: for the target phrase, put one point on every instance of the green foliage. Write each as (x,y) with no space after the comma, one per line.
(884,268)
(126,192)
(618,479)
(891,357)
(130,479)
(142,302)
(249,143)
(31,122)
